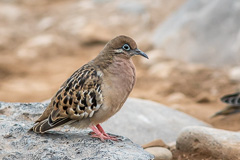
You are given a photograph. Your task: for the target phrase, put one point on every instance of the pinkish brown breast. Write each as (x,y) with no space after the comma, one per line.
(119,79)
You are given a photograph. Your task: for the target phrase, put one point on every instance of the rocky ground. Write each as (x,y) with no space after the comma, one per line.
(43,42)
(18,143)
(186,137)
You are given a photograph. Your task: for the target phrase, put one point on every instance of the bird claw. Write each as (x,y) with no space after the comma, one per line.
(91,133)
(98,132)
(103,137)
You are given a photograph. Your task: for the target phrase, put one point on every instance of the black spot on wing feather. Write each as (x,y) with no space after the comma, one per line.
(79,78)
(76,87)
(78,95)
(70,83)
(75,102)
(50,121)
(94,101)
(59,97)
(56,123)
(82,108)
(81,83)
(65,100)
(60,90)
(92,94)
(70,78)
(70,101)
(57,105)
(67,89)
(83,101)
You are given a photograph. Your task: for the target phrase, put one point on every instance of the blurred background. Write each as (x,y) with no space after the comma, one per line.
(193,48)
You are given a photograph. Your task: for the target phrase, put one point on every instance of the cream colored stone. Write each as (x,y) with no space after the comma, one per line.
(160,153)
(234,74)
(216,143)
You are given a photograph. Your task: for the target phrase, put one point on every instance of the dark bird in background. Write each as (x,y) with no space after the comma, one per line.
(233,101)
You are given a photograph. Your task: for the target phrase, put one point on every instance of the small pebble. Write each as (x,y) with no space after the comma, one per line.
(160,153)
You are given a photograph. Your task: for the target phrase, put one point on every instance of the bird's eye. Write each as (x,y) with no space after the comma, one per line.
(126,47)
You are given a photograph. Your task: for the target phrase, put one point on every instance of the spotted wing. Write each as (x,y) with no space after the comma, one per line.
(78,98)
(232,99)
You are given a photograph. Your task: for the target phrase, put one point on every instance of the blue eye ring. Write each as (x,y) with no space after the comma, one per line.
(126,47)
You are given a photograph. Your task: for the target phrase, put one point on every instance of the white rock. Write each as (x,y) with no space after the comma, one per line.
(217,143)
(160,153)
(234,74)
(177,97)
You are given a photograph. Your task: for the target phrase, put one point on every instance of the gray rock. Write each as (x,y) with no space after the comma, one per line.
(18,143)
(217,143)
(202,31)
(143,121)
(132,7)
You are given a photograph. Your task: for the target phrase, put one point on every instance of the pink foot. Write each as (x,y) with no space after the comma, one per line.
(100,133)
(104,133)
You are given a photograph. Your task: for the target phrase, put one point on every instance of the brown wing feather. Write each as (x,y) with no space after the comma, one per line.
(43,126)
(79,97)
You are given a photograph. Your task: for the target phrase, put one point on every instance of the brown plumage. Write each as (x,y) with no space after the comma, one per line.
(94,92)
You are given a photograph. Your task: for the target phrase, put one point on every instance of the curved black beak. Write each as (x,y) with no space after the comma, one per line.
(141,53)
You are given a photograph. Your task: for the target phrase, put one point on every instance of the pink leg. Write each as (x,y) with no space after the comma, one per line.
(103,132)
(99,133)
